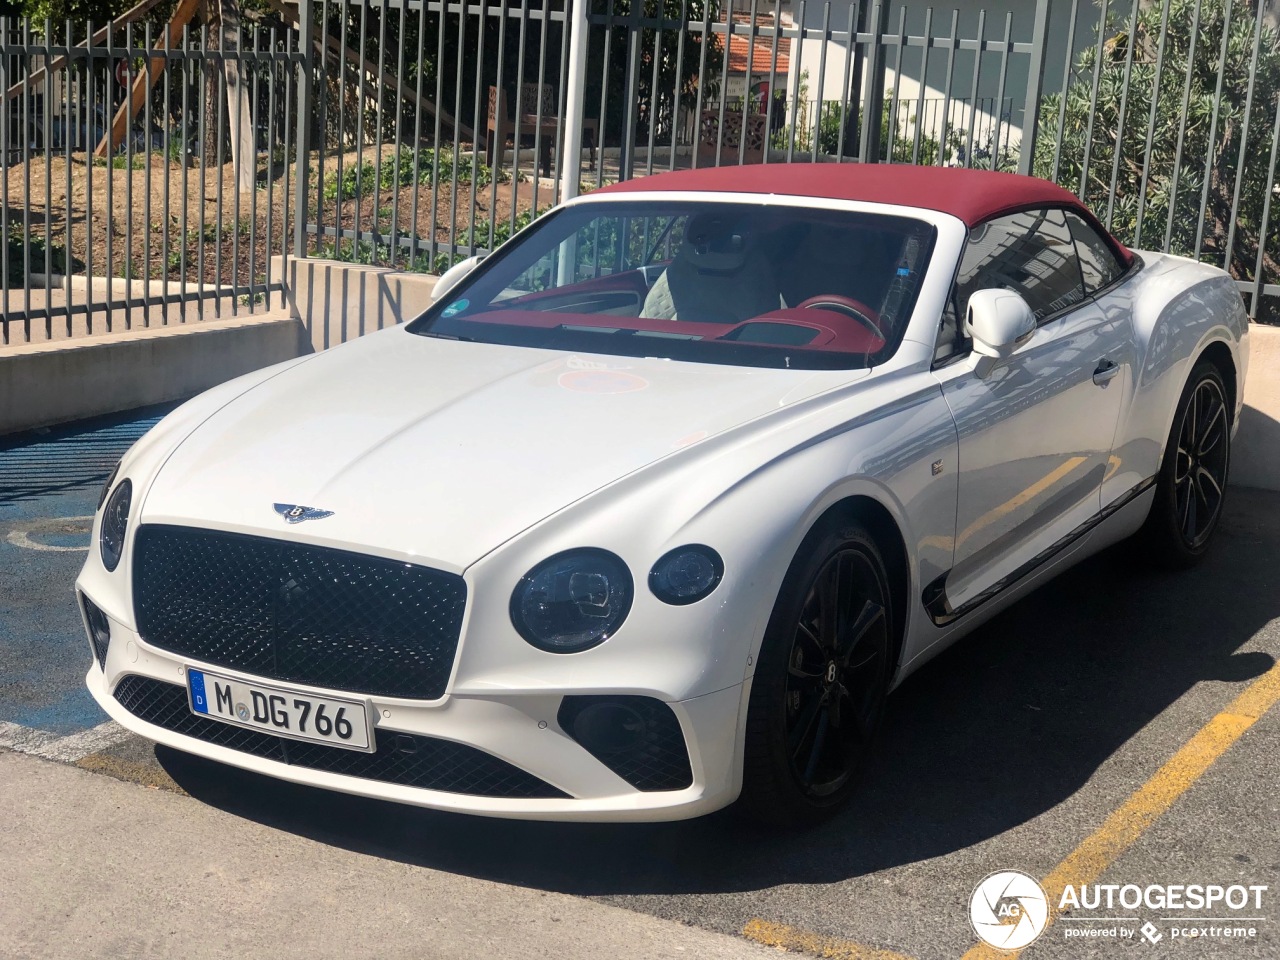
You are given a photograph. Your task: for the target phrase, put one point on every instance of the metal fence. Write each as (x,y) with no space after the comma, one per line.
(146,174)
(411,133)
(439,126)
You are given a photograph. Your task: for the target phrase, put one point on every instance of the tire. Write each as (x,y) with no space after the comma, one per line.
(818,695)
(1192,483)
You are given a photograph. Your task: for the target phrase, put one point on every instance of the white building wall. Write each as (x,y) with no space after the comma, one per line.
(908,81)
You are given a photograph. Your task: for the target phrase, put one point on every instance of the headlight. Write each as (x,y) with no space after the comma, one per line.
(573,601)
(115,521)
(106,487)
(686,574)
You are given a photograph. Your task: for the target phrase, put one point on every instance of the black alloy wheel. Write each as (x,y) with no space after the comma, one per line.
(1200,463)
(1192,483)
(819,693)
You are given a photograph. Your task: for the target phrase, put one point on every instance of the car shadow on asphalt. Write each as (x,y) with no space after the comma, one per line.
(1004,726)
(48,462)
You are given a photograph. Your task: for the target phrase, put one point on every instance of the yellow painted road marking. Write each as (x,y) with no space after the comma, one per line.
(1086,863)
(832,948)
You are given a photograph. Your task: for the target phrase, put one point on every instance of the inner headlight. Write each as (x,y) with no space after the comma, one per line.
(686,574)
(115,521)
(572,601)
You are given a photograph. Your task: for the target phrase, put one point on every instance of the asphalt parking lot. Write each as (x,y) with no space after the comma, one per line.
(1114,728)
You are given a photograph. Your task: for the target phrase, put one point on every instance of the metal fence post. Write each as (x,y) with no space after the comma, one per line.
(873,116)
(1035,85)
(301,181)
(631,94)
(575,107)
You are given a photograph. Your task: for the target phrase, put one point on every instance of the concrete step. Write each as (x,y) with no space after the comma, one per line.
(58,381)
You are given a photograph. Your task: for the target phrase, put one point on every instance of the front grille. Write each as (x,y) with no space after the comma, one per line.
(645,746)
(302,614)
(402,758)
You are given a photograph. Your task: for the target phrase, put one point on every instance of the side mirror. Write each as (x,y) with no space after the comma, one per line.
(999,322)
(451,277)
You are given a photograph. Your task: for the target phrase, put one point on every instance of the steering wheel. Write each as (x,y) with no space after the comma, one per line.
(849,307)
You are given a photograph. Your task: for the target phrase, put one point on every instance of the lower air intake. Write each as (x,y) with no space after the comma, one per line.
(401,758)
(638,738)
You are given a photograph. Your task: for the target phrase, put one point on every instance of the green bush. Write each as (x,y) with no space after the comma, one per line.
(35,256)
(832,112)
(364,252)
(398,171)
(1190,208)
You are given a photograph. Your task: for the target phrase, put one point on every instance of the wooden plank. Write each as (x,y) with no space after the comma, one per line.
(132,107)
(36,77)
(239,115)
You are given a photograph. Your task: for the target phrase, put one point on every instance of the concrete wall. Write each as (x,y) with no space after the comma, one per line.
(337,302)
(88,376)
(1256,455)
(48,383)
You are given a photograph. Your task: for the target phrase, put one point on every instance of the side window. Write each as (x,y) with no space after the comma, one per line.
(1098,262)
(1031,253)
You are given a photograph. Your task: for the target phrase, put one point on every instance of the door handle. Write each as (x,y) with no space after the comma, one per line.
(1107,369)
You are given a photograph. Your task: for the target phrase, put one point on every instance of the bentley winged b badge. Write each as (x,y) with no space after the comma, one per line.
(296,513)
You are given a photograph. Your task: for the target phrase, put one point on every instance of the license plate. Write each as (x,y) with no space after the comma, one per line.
(279,710)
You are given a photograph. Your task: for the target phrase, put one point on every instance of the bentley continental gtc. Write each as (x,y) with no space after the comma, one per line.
(653,507)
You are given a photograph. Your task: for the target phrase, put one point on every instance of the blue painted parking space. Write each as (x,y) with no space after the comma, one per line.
(49,486)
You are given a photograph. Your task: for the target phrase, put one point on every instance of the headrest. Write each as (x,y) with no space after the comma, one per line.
(716,242)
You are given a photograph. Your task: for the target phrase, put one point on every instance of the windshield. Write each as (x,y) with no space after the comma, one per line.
(747,284)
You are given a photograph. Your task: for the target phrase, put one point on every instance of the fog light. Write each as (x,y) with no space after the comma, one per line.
(638,738)
(99,630)
(608,728)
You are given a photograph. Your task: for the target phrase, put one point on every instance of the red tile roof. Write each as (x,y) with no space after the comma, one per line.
(761,49)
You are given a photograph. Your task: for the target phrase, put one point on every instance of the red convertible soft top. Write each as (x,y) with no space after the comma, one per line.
(969,195)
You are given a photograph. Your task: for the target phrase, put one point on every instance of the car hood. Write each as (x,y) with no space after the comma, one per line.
(439,451)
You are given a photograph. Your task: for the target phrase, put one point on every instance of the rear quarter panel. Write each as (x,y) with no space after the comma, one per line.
(1178,308)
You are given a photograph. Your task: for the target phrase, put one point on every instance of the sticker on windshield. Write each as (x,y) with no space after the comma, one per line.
(456,307)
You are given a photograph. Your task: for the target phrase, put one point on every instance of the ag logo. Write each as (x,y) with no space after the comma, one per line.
(1008,910)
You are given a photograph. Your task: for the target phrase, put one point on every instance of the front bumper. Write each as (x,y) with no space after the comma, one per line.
(518,727)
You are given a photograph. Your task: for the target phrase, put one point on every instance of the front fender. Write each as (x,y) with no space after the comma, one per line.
(752,497)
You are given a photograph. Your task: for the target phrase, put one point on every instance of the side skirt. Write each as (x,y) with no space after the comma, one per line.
(939,607)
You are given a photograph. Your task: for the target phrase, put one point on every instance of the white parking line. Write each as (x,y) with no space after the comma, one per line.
(20,534)
(69,749)
(24,739)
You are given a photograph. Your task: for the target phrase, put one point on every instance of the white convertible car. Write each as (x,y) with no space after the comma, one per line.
(653,507)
